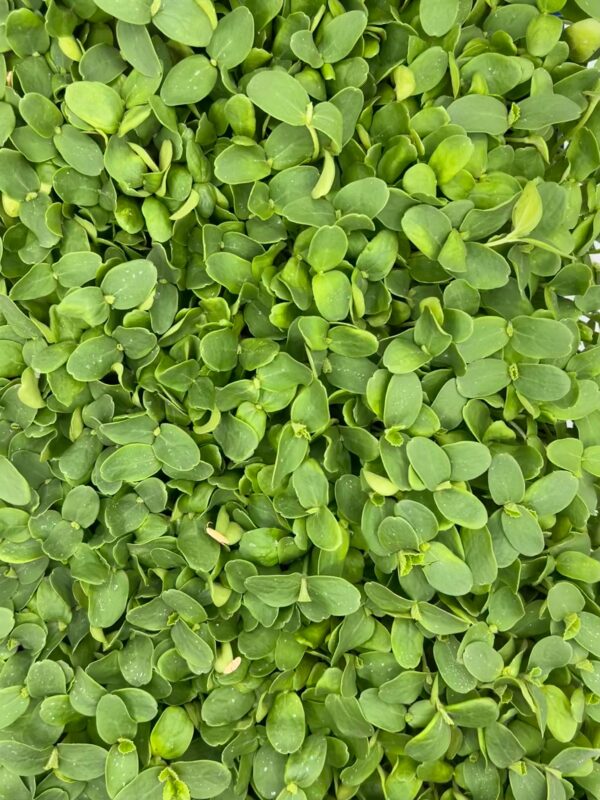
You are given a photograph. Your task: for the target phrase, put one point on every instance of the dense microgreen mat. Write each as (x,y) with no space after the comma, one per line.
(299,400)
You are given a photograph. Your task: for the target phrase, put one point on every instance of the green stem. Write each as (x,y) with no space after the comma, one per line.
(315,140)
(534,242)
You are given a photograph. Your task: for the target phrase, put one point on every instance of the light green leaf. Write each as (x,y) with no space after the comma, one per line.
(538,337)
(241,164)
(279,95)
(137,12)
(461,507)
(286,723)
(184,21)
(233,38)
(437,18)
(99,106)
(190,81)
(478,113)
(14,489)
(427,228)
(131,463)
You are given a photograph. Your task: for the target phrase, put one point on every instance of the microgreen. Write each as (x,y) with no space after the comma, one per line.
(299,400)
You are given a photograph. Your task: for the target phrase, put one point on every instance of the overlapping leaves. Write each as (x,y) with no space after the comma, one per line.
(299,400)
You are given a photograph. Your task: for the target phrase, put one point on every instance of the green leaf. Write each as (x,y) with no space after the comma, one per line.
(402,356)
(306,765)
(478,113)
(81,762)
(137,12)
(396,534)
(429,462)
(172,733)
(461,507)
(327,248)
(483,377)
(537,337)
(552,493)
(563,599)
(384,715)
(427,70)
(437,18)
(451,156)
(542,382)
(432,742)
(137,49)
(339,34)
(299,399)
(337,596)
(484,268)
(17,178)
(445,572)
(226,704)
(196,652)
(522,530)
(99,106)
(540,111)
(93,359)
(347,716)
(528,211)
(590,461)
(190,81)
(311,485)
(333,294)
(184,21)
(366,196)
(403,401)
(379,255)
(323,530)
(229,269)
(25,32)
(14,705)
(174,447)
(578,566)
(279,95)
(483,662)
(550,653)
(468,460)
(561,722)
(302,44)
(242,164)
(14,489)
(438,621)
(233,38)
(107,602)
(328,119)
(501,72)
(427,228)
(131,463)
(503,746)
(351,374)
(352,342)
(505,480)
(146,784)
(40,114)
(583,38)
(113,720)
(477,713)
(75,269)
(588,635)
(277,591)
(286,723)
(219,350)
(130,283)
(204,779)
